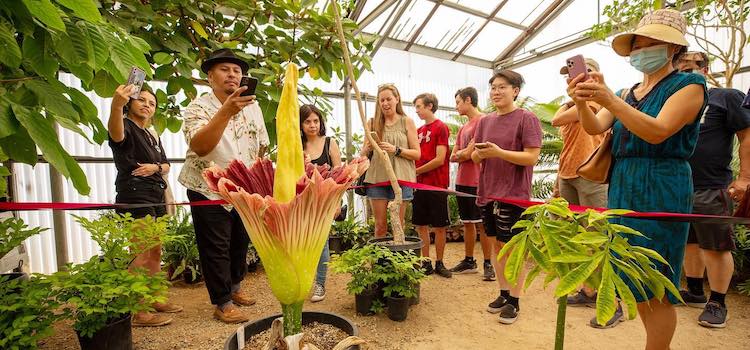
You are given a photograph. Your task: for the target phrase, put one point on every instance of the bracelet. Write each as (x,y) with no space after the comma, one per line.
(398,151)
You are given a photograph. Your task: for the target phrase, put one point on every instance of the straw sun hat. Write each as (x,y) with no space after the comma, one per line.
(664,25)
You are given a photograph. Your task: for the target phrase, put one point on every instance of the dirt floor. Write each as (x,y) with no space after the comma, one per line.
(451,315)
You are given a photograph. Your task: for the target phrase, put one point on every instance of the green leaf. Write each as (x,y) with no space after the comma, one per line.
(52,99)
(99,45)
(616,212)
(590,237)
(199,29)
(651,254)
(606,305)
(515,262)
(71,125)
(575,277)
(626,295)
(163,58)
(10,53)
(174,124)
(89,113)
(625,229)
(531,276)
(571,257)
(20,147)
(38,52)
(8,124)
(85,9)
(81,43)
(45,12)
(104,84)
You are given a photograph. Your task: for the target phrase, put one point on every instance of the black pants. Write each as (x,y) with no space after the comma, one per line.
(222,245)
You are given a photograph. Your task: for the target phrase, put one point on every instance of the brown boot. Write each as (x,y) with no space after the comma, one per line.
(167,308)
(241,299)
(230,314)
(147,319)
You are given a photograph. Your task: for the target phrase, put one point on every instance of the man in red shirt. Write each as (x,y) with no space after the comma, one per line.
(430,208)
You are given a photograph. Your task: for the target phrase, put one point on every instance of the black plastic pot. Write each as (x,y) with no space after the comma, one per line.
(258,326)
(363,301)
(410,244)
(116,335)
(398,308)
(188,277)
(23,276)
(335,244)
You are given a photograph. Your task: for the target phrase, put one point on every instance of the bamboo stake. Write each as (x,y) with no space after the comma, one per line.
(395,205)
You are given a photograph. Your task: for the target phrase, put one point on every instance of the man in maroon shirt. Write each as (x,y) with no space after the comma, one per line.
(430,208)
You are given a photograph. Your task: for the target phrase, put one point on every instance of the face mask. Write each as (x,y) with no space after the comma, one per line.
(649,59)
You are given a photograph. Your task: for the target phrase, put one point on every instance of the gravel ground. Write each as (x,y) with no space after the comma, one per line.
(451,315)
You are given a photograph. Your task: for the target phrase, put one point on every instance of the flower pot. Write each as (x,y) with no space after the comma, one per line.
(252,266)
(413,244)
(398,308)
(335,244)
(363,301)
(188,277)
(116,335)
(258,326)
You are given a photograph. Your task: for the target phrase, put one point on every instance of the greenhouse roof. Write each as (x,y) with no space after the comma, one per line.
(484,33)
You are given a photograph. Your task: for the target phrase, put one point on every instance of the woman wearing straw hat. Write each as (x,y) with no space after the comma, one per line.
(655,131)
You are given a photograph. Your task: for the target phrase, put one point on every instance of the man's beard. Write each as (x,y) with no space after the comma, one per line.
(230,91)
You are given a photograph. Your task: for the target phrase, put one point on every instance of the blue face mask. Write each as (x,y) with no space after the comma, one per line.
(649,59)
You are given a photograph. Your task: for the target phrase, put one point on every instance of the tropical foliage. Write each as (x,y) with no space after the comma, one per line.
(98,41)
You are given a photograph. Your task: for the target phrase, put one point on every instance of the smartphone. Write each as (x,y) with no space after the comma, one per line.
(136,78)
(481,145)
(375,136)
(251,84)
(576,66)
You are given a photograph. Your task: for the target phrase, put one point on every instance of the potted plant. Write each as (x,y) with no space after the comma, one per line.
(347,234)
(180,250)
(253,260)
(584,248)
(287,213)
(401,275)
(27,312)
(362,264)
(100,294)
(13,231)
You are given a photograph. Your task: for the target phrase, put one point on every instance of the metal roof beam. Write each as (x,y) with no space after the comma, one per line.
(392,25)
(479,30)
(481,14)
(535,28)
(358,7)
(424,24)
(436,53)
(372,16)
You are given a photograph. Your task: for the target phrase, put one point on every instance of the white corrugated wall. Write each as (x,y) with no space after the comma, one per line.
(412,74)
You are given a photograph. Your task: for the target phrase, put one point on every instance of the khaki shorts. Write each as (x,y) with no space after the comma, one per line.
(584,192)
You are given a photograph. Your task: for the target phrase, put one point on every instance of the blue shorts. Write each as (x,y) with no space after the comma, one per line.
(386,192)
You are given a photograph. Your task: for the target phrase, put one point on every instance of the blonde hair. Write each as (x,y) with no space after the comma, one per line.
(378,122)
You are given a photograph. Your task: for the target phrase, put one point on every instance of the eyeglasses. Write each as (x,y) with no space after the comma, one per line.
(387,85)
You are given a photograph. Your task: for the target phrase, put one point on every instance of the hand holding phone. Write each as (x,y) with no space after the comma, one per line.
(251,84)
(577,65)
(481,145)
(136,78)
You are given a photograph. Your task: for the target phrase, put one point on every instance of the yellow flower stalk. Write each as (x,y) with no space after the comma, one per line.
(289,157)
(290,228)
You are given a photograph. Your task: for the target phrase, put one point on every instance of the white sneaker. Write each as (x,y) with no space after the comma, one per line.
(319,293)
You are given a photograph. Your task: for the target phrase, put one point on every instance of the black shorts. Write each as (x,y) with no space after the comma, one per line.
(430,208)
(142,194)
(498,219)
(468,210)
(719,237)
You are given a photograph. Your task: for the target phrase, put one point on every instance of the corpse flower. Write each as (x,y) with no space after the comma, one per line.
(287,211)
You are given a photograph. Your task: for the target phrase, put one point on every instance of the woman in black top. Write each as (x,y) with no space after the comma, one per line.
(321,150)
(140,160)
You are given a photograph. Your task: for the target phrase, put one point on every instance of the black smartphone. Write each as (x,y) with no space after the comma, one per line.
(251,84)
(136,78)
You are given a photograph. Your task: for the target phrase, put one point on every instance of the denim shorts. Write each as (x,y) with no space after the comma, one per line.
(386,192)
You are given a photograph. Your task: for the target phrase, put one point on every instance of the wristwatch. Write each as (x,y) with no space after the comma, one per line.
(398,151)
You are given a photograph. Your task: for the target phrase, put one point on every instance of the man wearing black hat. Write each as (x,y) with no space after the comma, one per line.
(221,126)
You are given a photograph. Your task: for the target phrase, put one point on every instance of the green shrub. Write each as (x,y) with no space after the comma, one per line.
(26,312)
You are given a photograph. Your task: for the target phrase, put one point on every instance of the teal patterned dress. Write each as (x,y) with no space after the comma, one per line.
(651,178)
